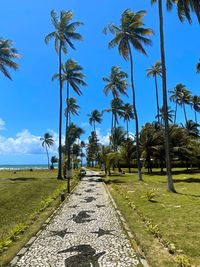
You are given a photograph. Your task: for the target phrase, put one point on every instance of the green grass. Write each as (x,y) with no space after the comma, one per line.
(21,194)
(177,215)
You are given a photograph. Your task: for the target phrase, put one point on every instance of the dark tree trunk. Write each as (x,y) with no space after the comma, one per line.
(195,116)
(127,128)
(67,124)
(60,121)
(47,155)
(170,184)
(185,113)
(136,119)
(157,100)
(175,113)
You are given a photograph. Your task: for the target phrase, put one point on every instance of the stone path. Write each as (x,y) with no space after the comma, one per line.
(85,232)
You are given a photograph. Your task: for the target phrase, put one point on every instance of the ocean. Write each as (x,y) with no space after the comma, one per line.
(24,167)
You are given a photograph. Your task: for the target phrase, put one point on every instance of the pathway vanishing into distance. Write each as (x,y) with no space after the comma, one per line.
(85,232)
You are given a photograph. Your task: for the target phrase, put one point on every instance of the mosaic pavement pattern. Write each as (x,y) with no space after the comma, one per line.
(85,232)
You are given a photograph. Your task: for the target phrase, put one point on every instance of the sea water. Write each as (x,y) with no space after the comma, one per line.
(24,167)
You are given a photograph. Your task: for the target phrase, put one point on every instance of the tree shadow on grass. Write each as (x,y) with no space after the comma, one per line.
(188,195)
(21,179)
(188,180)
(115,181)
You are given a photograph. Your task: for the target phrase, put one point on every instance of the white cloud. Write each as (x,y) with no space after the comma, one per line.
(84,124)
(2,124)
(26,143)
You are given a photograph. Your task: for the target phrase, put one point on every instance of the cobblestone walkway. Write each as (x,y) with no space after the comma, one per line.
(85,232)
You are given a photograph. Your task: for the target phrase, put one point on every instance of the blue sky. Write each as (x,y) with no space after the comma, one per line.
(29,105)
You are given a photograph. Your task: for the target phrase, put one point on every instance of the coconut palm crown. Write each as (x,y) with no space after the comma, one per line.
(116,83)
(95,116)
(7,54)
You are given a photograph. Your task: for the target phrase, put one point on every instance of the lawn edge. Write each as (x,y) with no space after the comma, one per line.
(138,250)
(26,247)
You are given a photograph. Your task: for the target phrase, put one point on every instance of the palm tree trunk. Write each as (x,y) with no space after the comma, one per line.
(127,128)
(115,124)
(175,113)
(185,113)
(136,118)
(67,122)
(60,121)
(170,185)
(157,100)
(47,155)
(195,116)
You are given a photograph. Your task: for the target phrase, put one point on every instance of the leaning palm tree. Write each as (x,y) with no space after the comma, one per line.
(64,34)
(47,141)
(131,32)
(116,83)
(154,71)
(127,114)
(7,54)
(198,67)
(94,116)
(195,103)
(170,184)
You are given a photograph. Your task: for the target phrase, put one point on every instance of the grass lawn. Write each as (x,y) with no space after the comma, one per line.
(21,194)
(177,215)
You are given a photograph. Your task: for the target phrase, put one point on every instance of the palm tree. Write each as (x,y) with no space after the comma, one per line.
(47,141)
(184,7)
(116,83)
(195,103)
(116,109)
(175,97)
(170,114)
(131,32)
(7,53)
(127,151)
(198,67)
(192,128)
(154,71)
(95,116)
(127,114)
(170,184)
(53,160)
(64,34)
(72,108)
(185,98)
(82,145)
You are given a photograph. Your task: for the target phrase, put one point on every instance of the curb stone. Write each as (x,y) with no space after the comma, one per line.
(128,231)
(33,238)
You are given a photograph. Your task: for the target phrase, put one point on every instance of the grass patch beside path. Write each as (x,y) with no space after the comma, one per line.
(21,195)
(176,215)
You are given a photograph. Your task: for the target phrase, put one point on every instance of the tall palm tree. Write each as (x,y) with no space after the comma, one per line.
(154,71)
(72,108)
(72,74)
(175,97)
(170,184)
(185,98)
(47,141)
(195,103)
(116,83)
(95,116)
(131,32)
(7,54)
(127,114)
(64,34)
(116,109)
(198,67)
